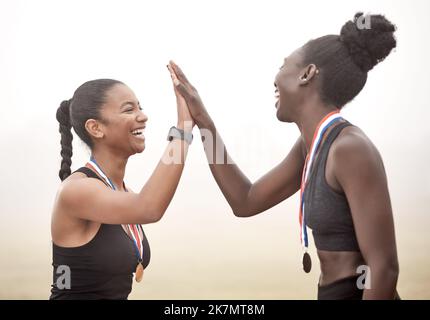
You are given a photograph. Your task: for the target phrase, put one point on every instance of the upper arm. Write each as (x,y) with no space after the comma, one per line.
(360,172)
(278,184)
(89,199)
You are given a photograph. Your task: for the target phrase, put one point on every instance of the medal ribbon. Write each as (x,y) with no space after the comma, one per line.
(133,229)
(322,127)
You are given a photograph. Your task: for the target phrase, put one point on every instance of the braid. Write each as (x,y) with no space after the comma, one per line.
(65,129)
(85,104)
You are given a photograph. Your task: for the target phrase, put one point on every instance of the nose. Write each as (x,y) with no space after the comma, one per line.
(141,116)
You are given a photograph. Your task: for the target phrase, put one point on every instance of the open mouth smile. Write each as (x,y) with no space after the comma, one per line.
(138,133)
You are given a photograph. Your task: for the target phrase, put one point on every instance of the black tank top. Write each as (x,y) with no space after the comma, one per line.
(100,269)
(327,212)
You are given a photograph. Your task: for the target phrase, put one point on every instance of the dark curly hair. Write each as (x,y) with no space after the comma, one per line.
(344,60)
(85,104)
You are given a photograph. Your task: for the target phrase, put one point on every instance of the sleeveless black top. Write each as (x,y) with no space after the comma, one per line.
(100,269)
(327,212)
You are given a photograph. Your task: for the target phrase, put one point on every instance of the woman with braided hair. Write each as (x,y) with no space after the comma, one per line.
(344,197)
(98,241)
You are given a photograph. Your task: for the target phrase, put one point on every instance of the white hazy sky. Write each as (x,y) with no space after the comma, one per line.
(231,51)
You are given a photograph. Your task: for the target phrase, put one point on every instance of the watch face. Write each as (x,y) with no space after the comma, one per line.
(173,133)
(180,134)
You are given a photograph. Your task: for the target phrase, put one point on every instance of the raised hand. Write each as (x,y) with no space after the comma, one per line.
(191,96)
(185,120)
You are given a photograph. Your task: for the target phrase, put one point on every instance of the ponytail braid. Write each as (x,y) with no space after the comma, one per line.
(65,129)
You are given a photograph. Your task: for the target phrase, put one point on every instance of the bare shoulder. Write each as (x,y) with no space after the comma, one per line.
(352,142)
(354,154)
(66,229)
(78,184)
(74,192)
(67,185)
(69,190)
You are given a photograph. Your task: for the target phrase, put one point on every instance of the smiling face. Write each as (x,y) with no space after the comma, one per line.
(123,122)
(289,87)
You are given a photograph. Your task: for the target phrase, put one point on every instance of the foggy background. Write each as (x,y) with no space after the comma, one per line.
(231,51)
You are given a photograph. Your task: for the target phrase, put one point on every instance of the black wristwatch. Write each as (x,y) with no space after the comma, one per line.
(179,134)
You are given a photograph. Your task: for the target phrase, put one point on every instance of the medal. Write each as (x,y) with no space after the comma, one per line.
(322,127)
(137,241)
(307,262)
(132,229)
(139,272)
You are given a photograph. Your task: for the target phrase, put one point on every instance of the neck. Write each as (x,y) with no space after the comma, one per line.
(112,165)
(309,119)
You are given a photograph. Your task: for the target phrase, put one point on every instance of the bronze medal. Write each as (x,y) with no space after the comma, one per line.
(139,272)
(307,262)
(320,134)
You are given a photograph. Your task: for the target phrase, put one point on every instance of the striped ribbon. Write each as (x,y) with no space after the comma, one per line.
(135,231)
(322,127)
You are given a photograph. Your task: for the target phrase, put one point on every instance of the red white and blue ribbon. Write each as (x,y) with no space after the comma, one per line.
(322,127)
(135,231)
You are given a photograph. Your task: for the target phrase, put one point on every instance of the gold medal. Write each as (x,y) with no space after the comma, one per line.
(139,272)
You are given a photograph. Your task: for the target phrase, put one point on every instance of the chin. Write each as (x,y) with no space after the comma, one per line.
(137,150)
(140,150)
(280,116)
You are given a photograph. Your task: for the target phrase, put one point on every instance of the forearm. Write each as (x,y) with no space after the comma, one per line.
(234,185)
(161,186)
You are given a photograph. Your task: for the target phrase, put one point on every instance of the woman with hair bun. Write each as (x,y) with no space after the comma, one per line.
(344,196)
(97,238)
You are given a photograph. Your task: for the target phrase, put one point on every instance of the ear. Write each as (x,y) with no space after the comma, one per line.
(308,73)
(94,128)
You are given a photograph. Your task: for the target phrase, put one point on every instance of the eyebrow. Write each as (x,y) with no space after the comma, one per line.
(129,102)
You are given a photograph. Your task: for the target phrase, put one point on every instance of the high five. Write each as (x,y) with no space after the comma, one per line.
(344,194)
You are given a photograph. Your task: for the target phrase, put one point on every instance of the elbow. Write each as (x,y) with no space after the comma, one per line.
(241,206)
(392,274)
(243,212)
(239,213)
(239,210)
(147,208)
(394,270)
(152,215)
(156,216)
(388,270)
(151,218)
(392,267)
(154,211)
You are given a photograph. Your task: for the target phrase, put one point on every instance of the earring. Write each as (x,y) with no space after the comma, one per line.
(317,71)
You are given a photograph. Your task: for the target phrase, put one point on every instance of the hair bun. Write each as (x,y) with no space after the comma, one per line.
(369,39)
